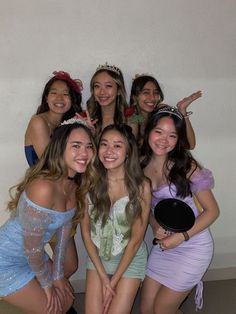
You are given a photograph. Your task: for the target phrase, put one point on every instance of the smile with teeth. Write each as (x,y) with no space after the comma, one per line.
(109,159)
(82,162)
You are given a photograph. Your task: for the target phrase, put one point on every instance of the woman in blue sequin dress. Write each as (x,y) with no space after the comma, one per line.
(44,204)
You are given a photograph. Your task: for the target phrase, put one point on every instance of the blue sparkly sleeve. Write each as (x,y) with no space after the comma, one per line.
(34,224)
(63,235)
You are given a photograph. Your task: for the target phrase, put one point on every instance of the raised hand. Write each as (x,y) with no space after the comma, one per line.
(183,104)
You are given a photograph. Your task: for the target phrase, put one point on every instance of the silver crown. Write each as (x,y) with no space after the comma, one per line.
(108,67)
(74,120)
(170,110)
(141,75)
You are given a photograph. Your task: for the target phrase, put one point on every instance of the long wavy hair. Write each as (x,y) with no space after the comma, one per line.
(134,179)
(95,109)
(51,166)
(179,164)
(76,98)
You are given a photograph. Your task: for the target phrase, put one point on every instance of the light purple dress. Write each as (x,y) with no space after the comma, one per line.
(183,267)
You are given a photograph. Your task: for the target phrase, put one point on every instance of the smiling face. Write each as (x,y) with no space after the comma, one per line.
(148,98)
(112,150)
(105,89)
(58,99)
(78,152)
(163,138)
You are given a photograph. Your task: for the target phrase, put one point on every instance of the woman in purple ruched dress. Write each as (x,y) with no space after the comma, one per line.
(177,264)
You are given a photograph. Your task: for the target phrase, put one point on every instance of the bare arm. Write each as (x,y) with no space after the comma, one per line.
(137,235)
(182,106)
(37,134)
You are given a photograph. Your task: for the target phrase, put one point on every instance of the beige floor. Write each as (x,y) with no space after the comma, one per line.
(219,298)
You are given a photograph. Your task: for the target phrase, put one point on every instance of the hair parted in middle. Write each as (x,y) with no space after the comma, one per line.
(51,166)
(179,162)
(133,178)
(95,109)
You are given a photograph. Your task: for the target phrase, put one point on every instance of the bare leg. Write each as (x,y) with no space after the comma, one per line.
(93,293)
(32,299)
(149,291)
(126,291)
(167,301)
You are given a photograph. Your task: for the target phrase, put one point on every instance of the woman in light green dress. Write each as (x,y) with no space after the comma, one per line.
(114,224)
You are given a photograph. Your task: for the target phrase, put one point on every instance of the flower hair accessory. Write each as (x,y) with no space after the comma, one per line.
(170,110)
(74,120)
(76,84)
(108,67)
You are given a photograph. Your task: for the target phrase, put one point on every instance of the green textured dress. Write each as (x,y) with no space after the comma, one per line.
(112,239)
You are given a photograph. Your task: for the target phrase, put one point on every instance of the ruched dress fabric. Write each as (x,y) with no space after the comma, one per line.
(22,241)
(112,239)
(183,267)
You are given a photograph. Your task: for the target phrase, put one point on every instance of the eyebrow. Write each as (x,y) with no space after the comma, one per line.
(104,140)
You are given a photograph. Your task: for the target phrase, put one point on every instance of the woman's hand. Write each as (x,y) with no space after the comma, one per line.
(90,122)
(63,289)
(108,293)
(54,305)
(183,104)
(171,241)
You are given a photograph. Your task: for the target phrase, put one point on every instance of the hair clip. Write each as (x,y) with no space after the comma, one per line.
(108,67)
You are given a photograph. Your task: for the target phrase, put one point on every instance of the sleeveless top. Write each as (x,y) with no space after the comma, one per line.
(112,238)
(31,155)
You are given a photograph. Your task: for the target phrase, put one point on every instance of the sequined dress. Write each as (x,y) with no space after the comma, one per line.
(183,267)
(112,239)
(22,241)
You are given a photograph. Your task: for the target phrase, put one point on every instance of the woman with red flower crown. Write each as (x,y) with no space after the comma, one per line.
(61,100)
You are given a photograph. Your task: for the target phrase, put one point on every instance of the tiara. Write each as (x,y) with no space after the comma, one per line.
(76,84)
(141,75)
(74,120)
(170,110)
(108,67)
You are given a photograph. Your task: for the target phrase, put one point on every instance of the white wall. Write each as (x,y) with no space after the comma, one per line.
(187,44)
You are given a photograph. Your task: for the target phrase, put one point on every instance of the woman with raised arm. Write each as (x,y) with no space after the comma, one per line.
(178,263)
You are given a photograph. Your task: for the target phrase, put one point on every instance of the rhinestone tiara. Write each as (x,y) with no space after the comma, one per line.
(170,110)
(141,75)
(74,120)
(108,67)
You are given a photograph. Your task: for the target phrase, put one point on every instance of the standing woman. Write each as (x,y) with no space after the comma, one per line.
(180,260)
(61,99)
(44,203)
(107,103)
(114,225)
(146,95)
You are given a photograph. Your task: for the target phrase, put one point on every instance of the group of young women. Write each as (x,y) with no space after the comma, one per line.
(107,168)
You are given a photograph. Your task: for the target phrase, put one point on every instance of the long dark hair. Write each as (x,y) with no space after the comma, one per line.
(179,162)
(76,98)
(138,85)
(134,179)
(95,109)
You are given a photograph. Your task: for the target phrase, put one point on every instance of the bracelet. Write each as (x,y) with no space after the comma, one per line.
(186,235)
(188,113)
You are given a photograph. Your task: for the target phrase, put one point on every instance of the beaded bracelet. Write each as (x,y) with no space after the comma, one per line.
(187,114)
(186,236)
